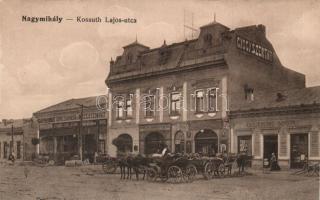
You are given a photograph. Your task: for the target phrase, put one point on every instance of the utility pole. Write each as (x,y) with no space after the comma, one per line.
(80,147)
(12,146)
(80,136)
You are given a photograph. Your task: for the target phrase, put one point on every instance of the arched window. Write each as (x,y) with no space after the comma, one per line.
(206,142)
(212,99)
(179,142)
(123,143)
(199,101)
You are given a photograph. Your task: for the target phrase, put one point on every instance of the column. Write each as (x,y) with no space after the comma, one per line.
(224,98)
(261,145)
(137,105)
(253,136)
(185,103)
(55,145)
(110,105)
(231,141)
(161,104)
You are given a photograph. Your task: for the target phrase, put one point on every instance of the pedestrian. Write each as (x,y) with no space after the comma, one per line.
(274,163)
(12,158)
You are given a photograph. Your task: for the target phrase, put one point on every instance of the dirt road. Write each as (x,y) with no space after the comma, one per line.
(90,183)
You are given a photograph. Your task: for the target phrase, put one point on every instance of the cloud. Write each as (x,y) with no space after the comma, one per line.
(0,45)
(78,55)
(38,77)
(1,68)
(79,61)
(1,81)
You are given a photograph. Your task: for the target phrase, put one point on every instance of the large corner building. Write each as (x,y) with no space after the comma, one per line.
(187,95)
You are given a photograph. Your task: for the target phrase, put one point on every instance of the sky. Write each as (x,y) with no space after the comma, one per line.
(42,64)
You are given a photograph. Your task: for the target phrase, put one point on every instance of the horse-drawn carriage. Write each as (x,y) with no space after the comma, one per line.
(175,168)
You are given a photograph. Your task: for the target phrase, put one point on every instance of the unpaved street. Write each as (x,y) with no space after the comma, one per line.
(88,182)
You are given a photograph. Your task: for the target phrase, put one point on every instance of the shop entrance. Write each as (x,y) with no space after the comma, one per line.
(153,143)
(299,150)
(123,143)
(270,145)
(89,147)
(245,146)
(206,142)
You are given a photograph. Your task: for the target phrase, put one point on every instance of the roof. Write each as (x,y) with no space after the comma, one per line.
(136,43)
(70,104)
(6,124)
(279,99)
(213,24)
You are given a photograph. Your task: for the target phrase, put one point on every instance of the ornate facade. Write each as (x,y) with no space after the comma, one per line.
(182,94)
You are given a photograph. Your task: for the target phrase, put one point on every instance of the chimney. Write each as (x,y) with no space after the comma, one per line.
(262,29)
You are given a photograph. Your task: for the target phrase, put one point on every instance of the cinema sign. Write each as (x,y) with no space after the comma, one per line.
(254,49)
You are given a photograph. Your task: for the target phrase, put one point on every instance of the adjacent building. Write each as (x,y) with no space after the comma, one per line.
(286,123)
(182,94)
(73,126)
(17,136)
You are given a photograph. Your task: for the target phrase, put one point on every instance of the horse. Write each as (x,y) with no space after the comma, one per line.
(133,164)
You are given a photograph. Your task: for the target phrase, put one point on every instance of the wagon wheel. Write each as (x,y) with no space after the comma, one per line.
(208,170)
(221,170)
(175,174)
(109,167)
(152,174)
(190,173)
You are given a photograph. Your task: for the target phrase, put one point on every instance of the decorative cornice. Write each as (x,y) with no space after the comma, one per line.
(286,110)
(215,63)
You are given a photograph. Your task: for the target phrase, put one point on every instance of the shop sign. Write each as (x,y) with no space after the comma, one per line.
(272,124)
(155,127)
(254,49)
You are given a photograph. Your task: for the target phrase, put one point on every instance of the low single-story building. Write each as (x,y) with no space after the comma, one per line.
(286,123)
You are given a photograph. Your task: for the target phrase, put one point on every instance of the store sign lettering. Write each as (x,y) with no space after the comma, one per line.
(271,124)
(254,49)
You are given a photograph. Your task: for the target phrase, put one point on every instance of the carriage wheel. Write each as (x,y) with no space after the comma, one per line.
(191,172)
(175,174)
(151,174)
(221,170)
(109,167)
(208,170)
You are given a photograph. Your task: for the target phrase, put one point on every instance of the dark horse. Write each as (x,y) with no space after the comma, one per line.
(133,164)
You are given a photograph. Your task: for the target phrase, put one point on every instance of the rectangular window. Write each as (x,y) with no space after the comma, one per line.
(199,101)
(212,99)
(18,149)
(175,105)
(129,110)
(120,107)
(149,102)
(5,150)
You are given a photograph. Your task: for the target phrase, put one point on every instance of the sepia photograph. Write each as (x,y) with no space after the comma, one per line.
(159,99)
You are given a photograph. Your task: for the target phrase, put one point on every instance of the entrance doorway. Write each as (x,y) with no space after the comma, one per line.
(270,145)
(153,142)
(245,146)
(299,150)
(206,142)
(123,143)
(89,147)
